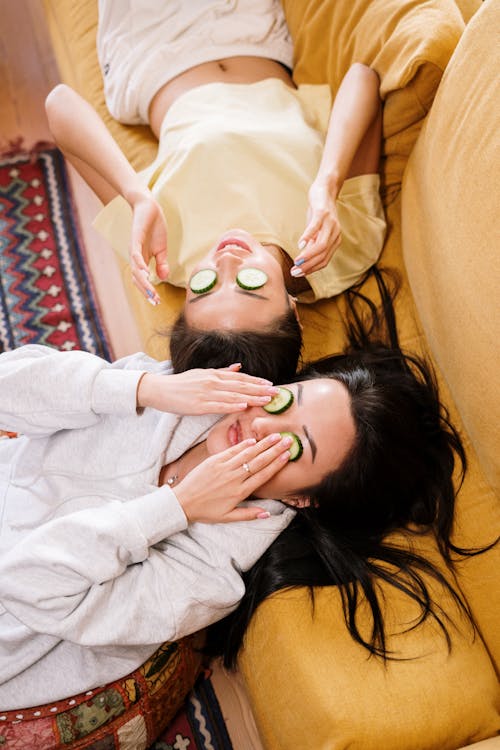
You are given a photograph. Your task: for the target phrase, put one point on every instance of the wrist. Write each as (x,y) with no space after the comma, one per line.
(135,193)
(145,390)
(330,180)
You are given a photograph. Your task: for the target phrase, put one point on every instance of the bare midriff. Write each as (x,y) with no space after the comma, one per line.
(243,69)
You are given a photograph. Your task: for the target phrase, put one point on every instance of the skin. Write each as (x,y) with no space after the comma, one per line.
(253,437)
(352,147)
(227,305)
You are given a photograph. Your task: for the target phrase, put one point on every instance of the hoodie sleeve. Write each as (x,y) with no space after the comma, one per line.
(131,573)
(43,390)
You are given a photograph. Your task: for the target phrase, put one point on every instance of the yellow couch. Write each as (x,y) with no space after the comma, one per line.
(309,684)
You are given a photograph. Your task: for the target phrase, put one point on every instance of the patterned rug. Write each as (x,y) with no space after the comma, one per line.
(46,294)
(199,725)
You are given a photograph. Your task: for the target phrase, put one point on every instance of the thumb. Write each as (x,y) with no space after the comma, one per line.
(162,267)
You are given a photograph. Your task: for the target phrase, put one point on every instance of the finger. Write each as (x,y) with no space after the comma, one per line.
(258,456)
(313,262)
(311,229)
(226,373)
(147,290)
(141,280)
(261,477)
(246,514)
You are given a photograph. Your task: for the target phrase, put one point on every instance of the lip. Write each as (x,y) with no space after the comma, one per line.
(233,241)
(234,434)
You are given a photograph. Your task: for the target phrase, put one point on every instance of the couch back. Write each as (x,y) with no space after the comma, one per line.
(450,240)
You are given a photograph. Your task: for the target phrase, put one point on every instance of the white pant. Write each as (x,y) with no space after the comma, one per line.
(143,44)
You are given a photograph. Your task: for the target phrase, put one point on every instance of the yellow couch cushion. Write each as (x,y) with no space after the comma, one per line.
(311,685)
(407,43)
(451,232)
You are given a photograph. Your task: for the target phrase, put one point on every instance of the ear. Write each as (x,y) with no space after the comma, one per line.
(293,304)
(298,501)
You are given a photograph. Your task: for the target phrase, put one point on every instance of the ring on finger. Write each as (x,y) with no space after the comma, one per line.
(246,468)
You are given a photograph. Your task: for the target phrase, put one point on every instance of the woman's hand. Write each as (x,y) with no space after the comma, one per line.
(209,391)
(212,491)
(322,235)
(149,240)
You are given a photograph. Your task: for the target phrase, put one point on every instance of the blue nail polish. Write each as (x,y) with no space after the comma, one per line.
(149,293)
(300,262)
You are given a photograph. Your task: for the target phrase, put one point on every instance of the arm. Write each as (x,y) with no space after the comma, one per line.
(121,574)
(352,147)
(43,390)
(89,146)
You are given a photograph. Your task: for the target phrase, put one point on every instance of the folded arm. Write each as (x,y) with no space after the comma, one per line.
(89,146)
(44,390)
(352,148)
(120,574)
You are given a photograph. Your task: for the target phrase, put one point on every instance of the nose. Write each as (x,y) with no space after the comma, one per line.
(229,257)
(265,425)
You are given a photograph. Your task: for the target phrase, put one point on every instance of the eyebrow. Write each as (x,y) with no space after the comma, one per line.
(312,444)
(314,448)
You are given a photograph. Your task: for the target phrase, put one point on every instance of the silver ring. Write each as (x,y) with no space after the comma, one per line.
(247,468)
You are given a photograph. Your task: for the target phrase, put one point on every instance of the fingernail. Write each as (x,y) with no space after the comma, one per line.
(264,399)
(152,302)
(296,272)
(285,456)
(264,514)
(274,437)
(302,244)
(300,262)
(273,390)
(150,294)
(287,441)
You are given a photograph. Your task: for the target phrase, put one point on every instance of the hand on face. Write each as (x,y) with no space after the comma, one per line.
(322,235)
(209,391)
(149,240)
(212,490)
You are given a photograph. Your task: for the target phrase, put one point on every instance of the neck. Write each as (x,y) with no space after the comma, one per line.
(176,470)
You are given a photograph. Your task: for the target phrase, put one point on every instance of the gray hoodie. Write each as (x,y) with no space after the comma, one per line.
(98,565)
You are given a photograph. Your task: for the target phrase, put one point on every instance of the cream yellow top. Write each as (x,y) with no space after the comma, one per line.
(244,155)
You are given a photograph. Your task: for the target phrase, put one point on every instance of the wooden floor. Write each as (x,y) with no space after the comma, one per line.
(28,71)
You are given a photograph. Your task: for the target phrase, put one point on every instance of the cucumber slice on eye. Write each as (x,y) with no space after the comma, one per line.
(203,281)
(296,449)
(251,278)
(281,402)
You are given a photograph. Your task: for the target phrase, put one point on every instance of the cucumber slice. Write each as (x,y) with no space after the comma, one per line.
(203,281)
(281,402)
(296,449)
(251,278)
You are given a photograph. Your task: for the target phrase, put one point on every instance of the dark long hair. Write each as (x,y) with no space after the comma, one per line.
(273,353)
(398,475)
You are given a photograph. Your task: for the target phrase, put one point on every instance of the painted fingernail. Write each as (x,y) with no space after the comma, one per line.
(264,514)
(152,302)
(150,294)
(302,244)
(300,262)
(296,272)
